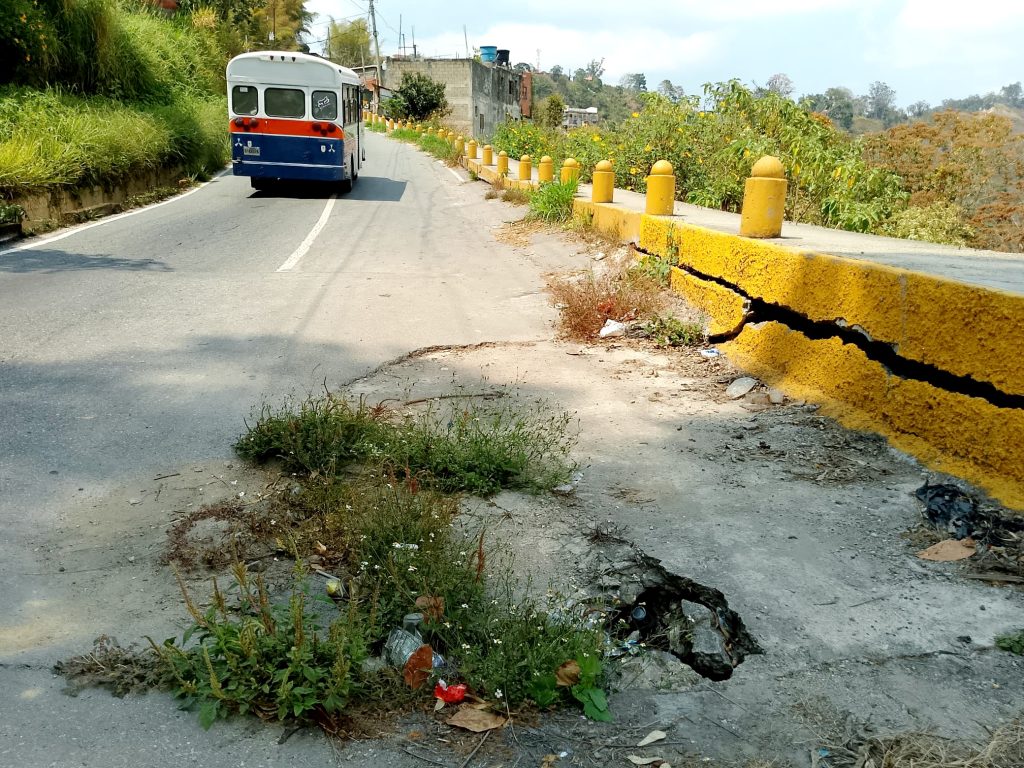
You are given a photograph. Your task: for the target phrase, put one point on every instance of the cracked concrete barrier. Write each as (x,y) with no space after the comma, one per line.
(929,362)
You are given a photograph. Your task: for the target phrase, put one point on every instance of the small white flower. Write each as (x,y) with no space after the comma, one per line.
(464,606)
(498,694)
(412,567)
(497,641)
(447,625)
(465,646)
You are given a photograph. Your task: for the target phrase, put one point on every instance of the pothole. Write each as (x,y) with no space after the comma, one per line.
(667,612)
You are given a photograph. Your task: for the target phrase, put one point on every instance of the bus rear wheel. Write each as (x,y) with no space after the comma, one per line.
(259,184)
(346,184)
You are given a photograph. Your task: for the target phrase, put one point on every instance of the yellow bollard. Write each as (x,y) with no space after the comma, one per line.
(570,170)
(545,169)
(503,163)
(661,189)
(764,199)
(471,149)
(604,182)
(525,168)
(390,125)
(460,145)
(488,155)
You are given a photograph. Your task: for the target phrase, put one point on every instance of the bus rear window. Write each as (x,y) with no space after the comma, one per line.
(325,105)
(284,102)
(244,100)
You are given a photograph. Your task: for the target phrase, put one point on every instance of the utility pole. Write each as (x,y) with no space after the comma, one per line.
(376,46)
(414,42)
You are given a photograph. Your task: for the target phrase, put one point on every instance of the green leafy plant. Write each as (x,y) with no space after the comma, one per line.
(1012,642)
(670,331)
(588,690)
(266,659)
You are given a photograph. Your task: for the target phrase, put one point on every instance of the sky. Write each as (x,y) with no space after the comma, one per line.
(926,50)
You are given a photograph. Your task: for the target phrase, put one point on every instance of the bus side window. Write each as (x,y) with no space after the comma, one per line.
(244,100)
(325,105)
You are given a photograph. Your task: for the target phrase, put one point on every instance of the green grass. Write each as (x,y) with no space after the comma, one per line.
(440,148)
(53,139)
(458,446)
(117,91)
(553,202)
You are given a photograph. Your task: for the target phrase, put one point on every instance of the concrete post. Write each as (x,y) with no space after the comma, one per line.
(525,168)
(503,163)
(488,155)
(545,169)
(570,170)
(460,145)
(471,149)
(764,199)
(604,182)
(661,189)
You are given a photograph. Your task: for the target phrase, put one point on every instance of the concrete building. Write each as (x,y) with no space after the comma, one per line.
(574,117)
(481,96)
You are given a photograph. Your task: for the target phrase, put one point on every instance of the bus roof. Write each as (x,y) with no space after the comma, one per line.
(288,68)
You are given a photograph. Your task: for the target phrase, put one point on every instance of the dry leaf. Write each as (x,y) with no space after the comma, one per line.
(949,550)
(418,667)
(548,761)
(476,720)
(652,737)
(657,762)
(431,607)
(439,705)
(568,674)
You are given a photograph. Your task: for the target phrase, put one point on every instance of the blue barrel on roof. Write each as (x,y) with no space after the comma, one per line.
(488,52)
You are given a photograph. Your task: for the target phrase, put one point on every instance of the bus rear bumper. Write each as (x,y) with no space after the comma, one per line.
(296,171)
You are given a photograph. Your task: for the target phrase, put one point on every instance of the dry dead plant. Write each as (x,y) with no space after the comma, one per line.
(1003,749)
(585,301)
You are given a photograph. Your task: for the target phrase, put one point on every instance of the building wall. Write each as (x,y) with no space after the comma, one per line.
(473,91)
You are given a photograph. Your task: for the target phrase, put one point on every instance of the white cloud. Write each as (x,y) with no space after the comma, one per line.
(970,35)
(653,11)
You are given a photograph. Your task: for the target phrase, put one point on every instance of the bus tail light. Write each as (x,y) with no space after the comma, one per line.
(331,127)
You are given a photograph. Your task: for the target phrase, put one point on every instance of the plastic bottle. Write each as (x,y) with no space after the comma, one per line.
(403,643)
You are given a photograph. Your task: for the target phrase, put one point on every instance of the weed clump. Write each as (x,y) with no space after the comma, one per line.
(553,202)
(623,293)
(459,446)
(397,551)
(1012,642)
(515,196)
(670,331)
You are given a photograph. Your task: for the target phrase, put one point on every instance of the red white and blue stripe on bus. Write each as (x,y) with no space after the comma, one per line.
(267,147)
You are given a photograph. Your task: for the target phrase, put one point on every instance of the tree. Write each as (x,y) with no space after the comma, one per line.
(839,107)
(881,101)
(919,109)
(348,44)
(522,66)
(595,69)
(1012,95)
(557,72)
(780,84)
(634,81)
(418,97)
(671,92)
(551,112)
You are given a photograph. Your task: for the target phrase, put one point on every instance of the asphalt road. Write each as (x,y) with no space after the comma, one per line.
(139,343)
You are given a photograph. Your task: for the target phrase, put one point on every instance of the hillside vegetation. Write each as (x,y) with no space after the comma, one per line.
(952,177)
(99,91)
